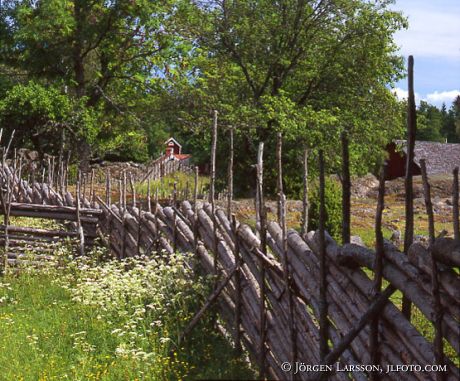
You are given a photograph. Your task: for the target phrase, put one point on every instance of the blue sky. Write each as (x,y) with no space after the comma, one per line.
(433,38)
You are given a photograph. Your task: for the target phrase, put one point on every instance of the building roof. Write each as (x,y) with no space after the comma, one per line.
(439,157)
(174,141)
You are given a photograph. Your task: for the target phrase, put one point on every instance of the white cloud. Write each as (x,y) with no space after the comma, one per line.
(404,94)
(433,29)
(446,97)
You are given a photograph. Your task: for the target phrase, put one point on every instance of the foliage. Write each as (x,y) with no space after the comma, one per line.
(333,204)
(145,70)
(109,321)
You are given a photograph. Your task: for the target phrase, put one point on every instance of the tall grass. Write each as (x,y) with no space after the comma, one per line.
(109,321)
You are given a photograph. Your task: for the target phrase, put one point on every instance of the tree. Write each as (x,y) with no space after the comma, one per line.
(107,54)
(307,68)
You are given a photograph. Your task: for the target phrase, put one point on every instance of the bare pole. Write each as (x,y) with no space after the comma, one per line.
(149,206)
(238,296)
(133,188)
(108,190)
(212,188)
(279,165)
(323,322)
(346,190)
(91,188)
(409,205)
(213,160)
(79,226)
(378,272)
(175,217)
(437,307)
(124,191)
(195,212)
(455,213)
(230,176)
(287,283)
(263,248)
(304,228)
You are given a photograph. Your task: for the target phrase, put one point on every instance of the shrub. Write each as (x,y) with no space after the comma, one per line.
(333,199)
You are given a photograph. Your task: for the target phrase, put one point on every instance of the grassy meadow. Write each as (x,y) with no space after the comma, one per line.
(109,321)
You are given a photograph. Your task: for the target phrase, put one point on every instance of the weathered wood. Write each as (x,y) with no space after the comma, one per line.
(263,240)
(230,176)
(305,205)
(438,312)
(346,190)
(323,321)
(455,205)
(378,271)
(409,200)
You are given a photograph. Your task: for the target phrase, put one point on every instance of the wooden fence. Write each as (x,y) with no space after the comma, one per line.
(256,286)
(302,306)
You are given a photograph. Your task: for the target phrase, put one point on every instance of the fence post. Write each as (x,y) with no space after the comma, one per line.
(455,213)
(411,130)
(346,190)
(230,176)
(437,307)
(323,322)
(304,227)
(238,259)
(378,272)
(263,248)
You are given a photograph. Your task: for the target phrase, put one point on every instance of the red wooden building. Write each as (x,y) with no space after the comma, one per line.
(439,158)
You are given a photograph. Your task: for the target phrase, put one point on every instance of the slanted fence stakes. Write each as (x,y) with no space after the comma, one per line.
(323,321)
(437,307)
(409,204)
(378,272)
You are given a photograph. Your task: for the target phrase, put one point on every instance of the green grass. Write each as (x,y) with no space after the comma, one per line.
(85,327)
(184,185)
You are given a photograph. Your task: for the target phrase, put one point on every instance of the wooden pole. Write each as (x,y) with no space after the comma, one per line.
(279,165)
(124,191)
(263,248)
(438,310)
(409,205)
(374,309)
(149,203)
(175,216)
(195,212)
(213,159)
(91,187)
(133,188)
(230,176)
(79,226)
(238,296)
(346,190)
(455,213)
(108,190)
(212,188)
(287,285)
(323,321)
(378,273)
(305,206)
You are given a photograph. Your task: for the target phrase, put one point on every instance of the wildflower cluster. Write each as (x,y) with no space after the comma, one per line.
(145,301)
